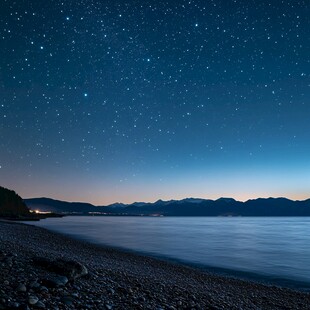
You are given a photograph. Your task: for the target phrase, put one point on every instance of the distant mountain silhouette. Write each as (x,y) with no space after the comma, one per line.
(58,206)
(11,204)
(185,207)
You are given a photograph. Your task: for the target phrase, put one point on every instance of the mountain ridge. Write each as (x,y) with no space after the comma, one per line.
(223,206)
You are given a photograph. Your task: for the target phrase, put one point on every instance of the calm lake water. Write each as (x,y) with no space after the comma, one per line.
(276,249)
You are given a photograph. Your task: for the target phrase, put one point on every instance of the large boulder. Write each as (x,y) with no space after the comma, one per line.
(69,268)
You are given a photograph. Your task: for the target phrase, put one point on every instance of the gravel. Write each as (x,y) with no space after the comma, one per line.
(111,279)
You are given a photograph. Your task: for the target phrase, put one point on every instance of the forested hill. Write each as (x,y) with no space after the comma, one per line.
(11,204)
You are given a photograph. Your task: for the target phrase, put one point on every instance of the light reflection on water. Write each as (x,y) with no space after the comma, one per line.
(275,246)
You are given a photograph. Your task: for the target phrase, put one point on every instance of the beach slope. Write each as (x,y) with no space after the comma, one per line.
(111,279)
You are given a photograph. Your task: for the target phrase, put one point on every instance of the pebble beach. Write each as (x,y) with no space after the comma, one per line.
(40,269)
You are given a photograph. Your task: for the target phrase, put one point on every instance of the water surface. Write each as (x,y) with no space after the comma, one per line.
(276,248)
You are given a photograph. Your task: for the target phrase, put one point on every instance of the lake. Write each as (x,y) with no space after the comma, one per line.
(276,249)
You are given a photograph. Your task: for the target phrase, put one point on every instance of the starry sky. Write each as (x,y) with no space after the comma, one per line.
(105,101)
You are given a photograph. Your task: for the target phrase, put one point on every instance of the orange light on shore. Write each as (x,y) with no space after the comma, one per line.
(41,212)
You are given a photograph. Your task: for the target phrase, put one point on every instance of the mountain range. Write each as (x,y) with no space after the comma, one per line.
(185,207)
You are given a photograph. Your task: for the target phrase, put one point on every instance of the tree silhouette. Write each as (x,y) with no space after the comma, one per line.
(11,204)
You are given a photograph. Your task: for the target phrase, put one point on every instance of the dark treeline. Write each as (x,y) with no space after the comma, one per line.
(11,204)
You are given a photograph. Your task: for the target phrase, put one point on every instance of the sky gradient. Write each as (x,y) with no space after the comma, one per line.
(105,101)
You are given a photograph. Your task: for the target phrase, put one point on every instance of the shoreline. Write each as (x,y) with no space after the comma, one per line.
(266,280)
(291,281)
(123,280)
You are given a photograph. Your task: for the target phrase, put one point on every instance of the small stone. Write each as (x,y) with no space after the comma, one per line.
(32,300)
(8,261)
(43,289)
(40,305)
(34,284)
(67,300)
(21,288)
(24,307)
(109,307)
(14,305)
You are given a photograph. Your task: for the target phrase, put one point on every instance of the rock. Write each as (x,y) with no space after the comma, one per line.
(42,262)
(111,291)
(69,268)
(34,284)
(21,288)
(109,307)
(67,300)
(43,289)
(14,305)
(8,261)
(23,307)
(32,300)
(56,281)
(40,305)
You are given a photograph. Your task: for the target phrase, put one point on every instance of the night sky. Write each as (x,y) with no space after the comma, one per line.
(106,101)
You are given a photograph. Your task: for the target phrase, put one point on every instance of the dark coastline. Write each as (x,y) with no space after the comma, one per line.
(124,280)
